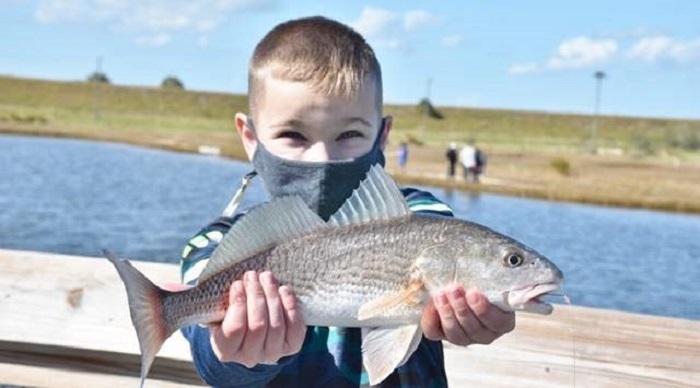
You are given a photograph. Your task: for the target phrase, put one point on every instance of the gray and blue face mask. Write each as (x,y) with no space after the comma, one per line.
(324,186)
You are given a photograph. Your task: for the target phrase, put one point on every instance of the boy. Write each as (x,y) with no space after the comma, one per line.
(314,128)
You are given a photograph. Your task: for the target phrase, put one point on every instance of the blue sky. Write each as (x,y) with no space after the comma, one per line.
(533,55)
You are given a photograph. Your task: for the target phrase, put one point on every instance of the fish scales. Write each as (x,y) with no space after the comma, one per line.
(332,271)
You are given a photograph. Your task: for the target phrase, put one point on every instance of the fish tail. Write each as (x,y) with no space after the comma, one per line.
(146,307)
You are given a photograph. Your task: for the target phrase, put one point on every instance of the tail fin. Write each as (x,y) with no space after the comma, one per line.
(145,305)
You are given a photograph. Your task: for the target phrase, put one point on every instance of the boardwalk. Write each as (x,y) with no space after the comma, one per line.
(65,323)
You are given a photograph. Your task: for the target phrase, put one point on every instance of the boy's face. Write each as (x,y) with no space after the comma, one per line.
(293,122)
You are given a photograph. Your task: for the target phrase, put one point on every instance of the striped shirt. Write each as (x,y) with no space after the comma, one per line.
(330,356)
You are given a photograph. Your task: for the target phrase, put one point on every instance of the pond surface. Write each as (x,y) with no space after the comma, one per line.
(78,197)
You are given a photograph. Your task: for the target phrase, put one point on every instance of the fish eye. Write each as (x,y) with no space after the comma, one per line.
(513,260)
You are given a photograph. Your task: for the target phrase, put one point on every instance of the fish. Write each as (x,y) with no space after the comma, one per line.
(373,265)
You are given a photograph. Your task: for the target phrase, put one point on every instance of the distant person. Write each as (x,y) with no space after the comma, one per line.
(480,160)
(467,157)
(451,156)
(403,156)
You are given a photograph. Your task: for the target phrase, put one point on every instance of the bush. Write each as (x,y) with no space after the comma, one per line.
(171,82)
(561,165)
(25,119)
(688,140)
(643,144)
(98,77)
(425,106)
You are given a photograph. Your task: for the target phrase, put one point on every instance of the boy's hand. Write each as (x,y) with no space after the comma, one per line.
(262,322)
(465,318)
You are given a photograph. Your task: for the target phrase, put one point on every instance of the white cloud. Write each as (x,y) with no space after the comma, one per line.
(146,19)
(77,11)
(413,20)
(388,29)
(523,68)
(574,53)
(156,40)
(661,47)
(582,52)
(375,22)
(686,52)
(203,41)
(451,41)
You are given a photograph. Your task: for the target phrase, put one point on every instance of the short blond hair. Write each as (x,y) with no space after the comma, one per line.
(332,58)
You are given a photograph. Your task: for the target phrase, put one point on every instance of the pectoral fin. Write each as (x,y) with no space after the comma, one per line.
(411,296)
(386,348)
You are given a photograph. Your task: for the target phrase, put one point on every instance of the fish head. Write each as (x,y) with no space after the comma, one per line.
(512,275)
(518,277)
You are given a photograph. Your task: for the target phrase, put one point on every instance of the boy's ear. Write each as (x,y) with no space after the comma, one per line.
(388,121)
(246,134)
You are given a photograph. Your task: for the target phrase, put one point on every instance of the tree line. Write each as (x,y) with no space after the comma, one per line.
(169,82)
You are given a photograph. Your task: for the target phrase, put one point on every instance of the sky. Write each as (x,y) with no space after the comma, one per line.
(528,55)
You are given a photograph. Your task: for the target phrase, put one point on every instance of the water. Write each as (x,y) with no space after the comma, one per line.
(78,197)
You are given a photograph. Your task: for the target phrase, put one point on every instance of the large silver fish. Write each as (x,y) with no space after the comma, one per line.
(373,265)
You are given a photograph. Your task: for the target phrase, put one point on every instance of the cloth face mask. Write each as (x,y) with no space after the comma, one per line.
(324,186)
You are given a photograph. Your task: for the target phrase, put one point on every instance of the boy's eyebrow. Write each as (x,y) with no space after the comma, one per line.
(361,120)
(291,123)
(296,123)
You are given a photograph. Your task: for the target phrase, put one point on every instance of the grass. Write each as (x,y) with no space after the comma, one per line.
(651,163)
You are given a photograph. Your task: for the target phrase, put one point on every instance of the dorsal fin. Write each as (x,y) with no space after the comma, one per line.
(263,226)
(377,198)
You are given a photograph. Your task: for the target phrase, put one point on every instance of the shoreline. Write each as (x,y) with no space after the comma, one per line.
(423,170)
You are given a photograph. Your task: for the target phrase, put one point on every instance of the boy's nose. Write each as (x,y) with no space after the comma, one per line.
(318,152)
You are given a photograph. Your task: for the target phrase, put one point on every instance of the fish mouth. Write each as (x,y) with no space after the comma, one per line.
(528,298)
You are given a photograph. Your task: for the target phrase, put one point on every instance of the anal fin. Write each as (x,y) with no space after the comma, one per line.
(386,348)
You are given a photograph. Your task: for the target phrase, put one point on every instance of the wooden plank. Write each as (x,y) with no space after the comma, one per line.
(71,314)
(91,362)
(76,302)
(68,316)
(578,346)
(40,376)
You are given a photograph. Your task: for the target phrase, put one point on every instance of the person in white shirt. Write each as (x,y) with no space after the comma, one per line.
(467,157)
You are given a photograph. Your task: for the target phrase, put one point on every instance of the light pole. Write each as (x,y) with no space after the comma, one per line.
(599,76)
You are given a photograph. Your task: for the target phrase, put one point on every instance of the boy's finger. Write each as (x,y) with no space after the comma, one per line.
(252,345)
(296,327)
(450,325)
(458,301)
(228,337)
(471,323)
(274,341)
(430,324)
(490,316)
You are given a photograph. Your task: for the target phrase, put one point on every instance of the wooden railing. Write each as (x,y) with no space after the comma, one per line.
(64,322)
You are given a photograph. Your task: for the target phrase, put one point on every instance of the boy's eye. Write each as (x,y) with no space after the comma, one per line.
(291,135)
(350,135)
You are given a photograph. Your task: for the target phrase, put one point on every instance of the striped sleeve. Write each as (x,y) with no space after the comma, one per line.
(196,253)
(424,202)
